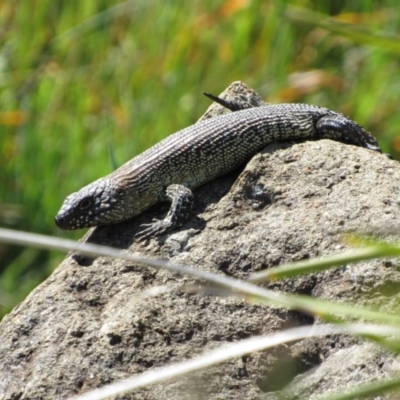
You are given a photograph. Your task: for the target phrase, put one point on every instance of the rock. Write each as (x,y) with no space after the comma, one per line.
(93,321)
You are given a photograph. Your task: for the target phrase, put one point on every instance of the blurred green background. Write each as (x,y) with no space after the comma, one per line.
(85,86)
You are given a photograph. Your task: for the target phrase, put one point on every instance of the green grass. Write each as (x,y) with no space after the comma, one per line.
(83,84)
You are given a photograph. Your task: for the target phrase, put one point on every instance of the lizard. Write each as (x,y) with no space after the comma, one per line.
(193,156)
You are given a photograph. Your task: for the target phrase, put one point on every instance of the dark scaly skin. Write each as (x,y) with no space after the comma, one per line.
(196,155)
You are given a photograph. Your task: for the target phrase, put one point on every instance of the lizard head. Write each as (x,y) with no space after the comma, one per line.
(99,203)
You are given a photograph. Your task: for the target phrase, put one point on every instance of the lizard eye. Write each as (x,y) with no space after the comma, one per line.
(85,203)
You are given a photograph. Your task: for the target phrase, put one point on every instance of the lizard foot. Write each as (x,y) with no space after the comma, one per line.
(182,200)
(156,228)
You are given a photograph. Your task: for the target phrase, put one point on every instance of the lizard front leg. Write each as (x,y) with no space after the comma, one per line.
(181,204)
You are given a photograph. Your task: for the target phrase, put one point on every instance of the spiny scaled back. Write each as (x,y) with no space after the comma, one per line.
(199,154)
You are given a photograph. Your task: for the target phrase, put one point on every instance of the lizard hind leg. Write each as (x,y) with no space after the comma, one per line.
(229,104)
(181,206)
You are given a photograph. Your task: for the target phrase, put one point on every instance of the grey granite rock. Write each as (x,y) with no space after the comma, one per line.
(89,324)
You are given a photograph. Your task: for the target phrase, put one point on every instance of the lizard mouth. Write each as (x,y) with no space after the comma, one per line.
(64,223)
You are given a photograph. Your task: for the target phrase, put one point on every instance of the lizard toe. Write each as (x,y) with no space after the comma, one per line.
(156,228)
